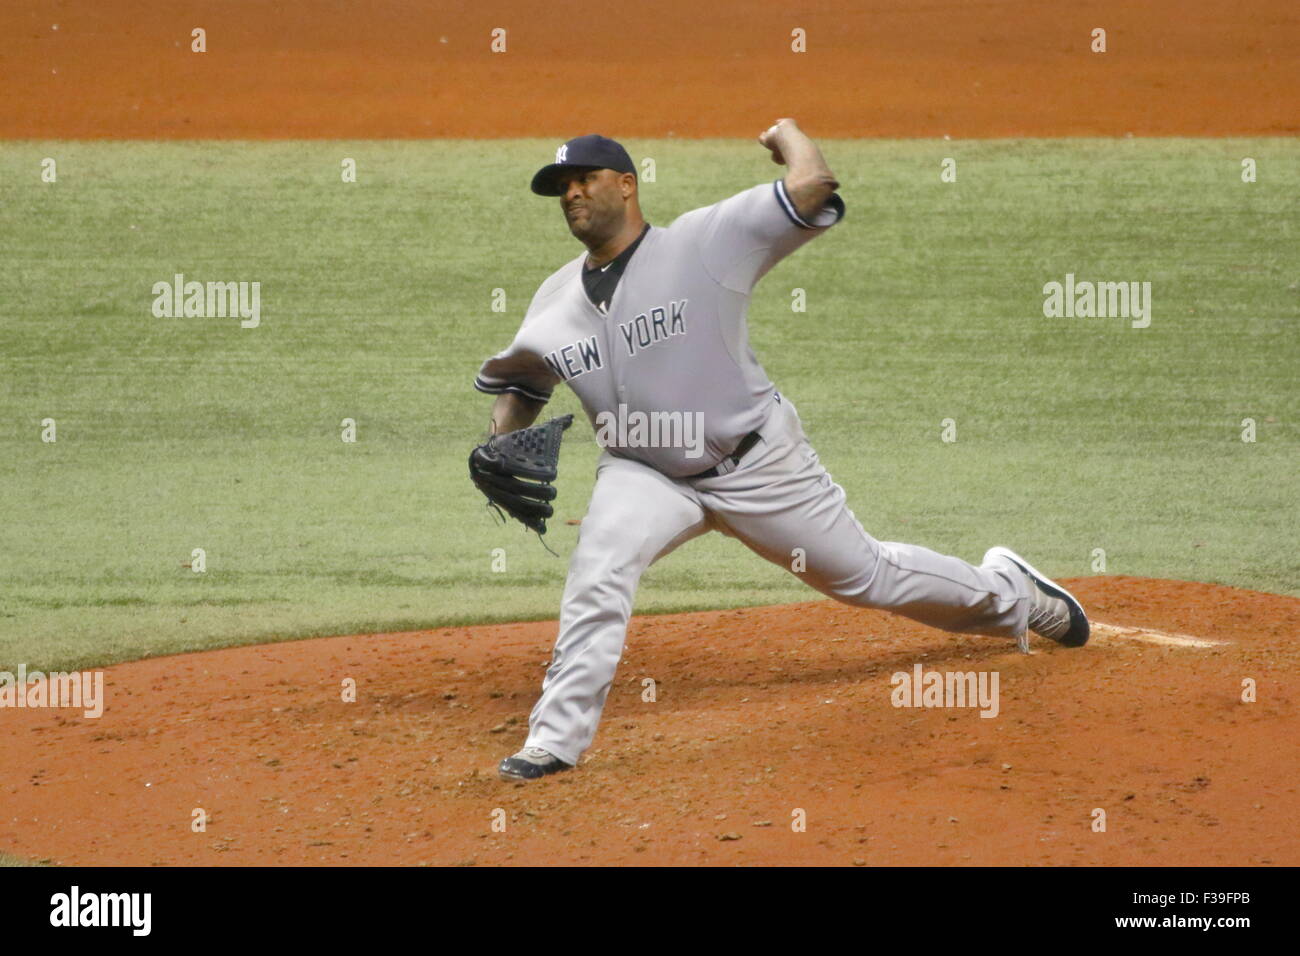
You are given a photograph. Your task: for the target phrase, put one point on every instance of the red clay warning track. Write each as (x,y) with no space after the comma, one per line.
(409,69)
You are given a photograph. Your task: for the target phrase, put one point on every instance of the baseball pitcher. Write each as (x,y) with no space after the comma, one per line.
(648,327)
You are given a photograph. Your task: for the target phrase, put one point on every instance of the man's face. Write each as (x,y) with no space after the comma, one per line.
(594,203)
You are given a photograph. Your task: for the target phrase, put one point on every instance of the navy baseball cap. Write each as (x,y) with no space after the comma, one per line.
(590,151)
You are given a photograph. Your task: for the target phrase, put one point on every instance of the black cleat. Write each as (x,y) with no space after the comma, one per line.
(1056,613)
(530,764)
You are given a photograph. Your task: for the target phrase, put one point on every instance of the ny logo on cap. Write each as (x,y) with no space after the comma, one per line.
(562,153)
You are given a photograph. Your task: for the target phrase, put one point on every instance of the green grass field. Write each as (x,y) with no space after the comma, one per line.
(925,304)
(6,861)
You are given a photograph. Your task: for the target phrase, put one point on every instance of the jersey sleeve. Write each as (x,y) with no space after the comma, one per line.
(519,371)
(741,238)
(520,368)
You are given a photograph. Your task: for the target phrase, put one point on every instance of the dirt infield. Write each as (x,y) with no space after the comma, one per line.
(759,713)
(408,69)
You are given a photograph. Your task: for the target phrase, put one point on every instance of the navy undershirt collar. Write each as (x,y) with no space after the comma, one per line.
(601,282)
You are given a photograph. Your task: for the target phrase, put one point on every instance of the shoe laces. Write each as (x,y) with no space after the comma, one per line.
(1044,619)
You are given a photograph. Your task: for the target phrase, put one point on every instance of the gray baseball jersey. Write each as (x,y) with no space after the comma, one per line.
(673,346)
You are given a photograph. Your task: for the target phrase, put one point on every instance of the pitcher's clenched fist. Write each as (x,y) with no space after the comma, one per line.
(769,137)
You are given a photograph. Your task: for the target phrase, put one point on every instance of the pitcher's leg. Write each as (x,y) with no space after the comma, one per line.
(946,592)
(785,500)
(636,515)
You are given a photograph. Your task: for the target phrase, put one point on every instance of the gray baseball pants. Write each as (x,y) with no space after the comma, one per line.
(778,499)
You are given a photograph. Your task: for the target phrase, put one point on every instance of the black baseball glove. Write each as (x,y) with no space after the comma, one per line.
(515,471)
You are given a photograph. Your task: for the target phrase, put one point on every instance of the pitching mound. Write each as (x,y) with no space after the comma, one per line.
(761,719)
